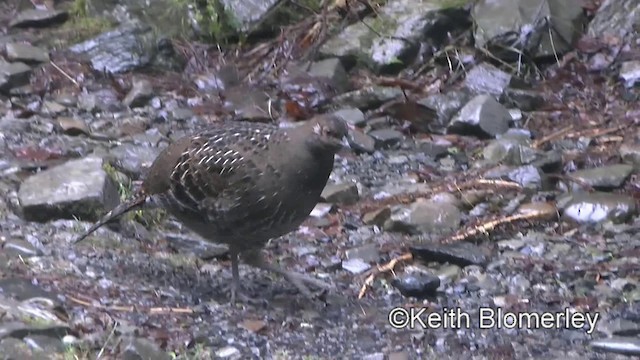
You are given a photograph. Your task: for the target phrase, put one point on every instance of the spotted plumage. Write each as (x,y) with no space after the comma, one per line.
(243,184)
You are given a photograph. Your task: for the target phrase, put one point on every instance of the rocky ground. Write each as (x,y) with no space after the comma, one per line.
(476,180)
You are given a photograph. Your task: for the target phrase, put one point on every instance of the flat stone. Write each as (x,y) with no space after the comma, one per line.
(20,247)
(39,18)
(355,266)
(13,75)
(343,193)
(26,53)
(386,138)
(377,217)
(461,254)
(140,94)
(76,189)
(598,207)
(482,116)
(351,116)
(604,177)
(140,349)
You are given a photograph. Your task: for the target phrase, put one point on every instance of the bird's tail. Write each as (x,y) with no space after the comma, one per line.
(123,208)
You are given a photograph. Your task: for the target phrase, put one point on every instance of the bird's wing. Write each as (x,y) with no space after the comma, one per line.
(204,176)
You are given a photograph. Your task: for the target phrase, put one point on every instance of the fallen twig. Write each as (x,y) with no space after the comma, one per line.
(131,308)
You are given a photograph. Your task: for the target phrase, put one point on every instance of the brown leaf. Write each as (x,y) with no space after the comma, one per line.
(254,325)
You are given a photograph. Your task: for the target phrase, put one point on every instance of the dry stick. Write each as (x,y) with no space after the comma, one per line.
(483,228)
(552,136)
(153,310)
(55,66)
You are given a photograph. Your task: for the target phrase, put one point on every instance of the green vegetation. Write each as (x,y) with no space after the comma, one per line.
(81,25)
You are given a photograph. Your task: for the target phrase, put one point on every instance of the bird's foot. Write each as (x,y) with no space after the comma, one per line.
(239,295)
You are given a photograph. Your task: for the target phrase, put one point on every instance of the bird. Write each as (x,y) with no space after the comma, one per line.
(243,184)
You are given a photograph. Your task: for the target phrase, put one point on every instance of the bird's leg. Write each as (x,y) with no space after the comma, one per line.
(256,259)
(235,291)
(235,276)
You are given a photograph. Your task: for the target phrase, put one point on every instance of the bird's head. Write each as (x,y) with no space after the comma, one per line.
(329,133)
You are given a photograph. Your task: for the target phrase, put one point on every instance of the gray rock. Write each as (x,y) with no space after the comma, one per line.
(26,53)
(416,284)
(75,189)
(404,24)
(21,289)
(39,18)
(44,343)
(377,217)
(334,71)
(342,193)
(630,154)
(128,47)
(598,207)
(630,72)
(140,94)
(605,177)
(12,348)
(132,159)
(228,352)
(13,75)
(615,18)
(355,266)
(366,98)
(527,176)
(367,253)
(487,79)
(461,253)
(523,99)
(142,349)
(386,138)
(482,116)
(351,116)
(19,247)
(429,217)
(361,142)
(508,27)
(446,106)
(626,345)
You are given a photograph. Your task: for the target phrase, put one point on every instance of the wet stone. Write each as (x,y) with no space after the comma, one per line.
(461,254)
(12,348)
(605,177)
(416,284)
(76,189)
(386,138)
(351,116)
(598,206)
(355,266)
(45,343)
(377,217)
(367,253)
(18,247)
(343,193)
(142,349)
(132,159)
(13,75)
(361,142)
(20,289)
(333,70)
(630,154)
(26,53)
(140,94)
(428,217)
(228,352)
(625,345)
